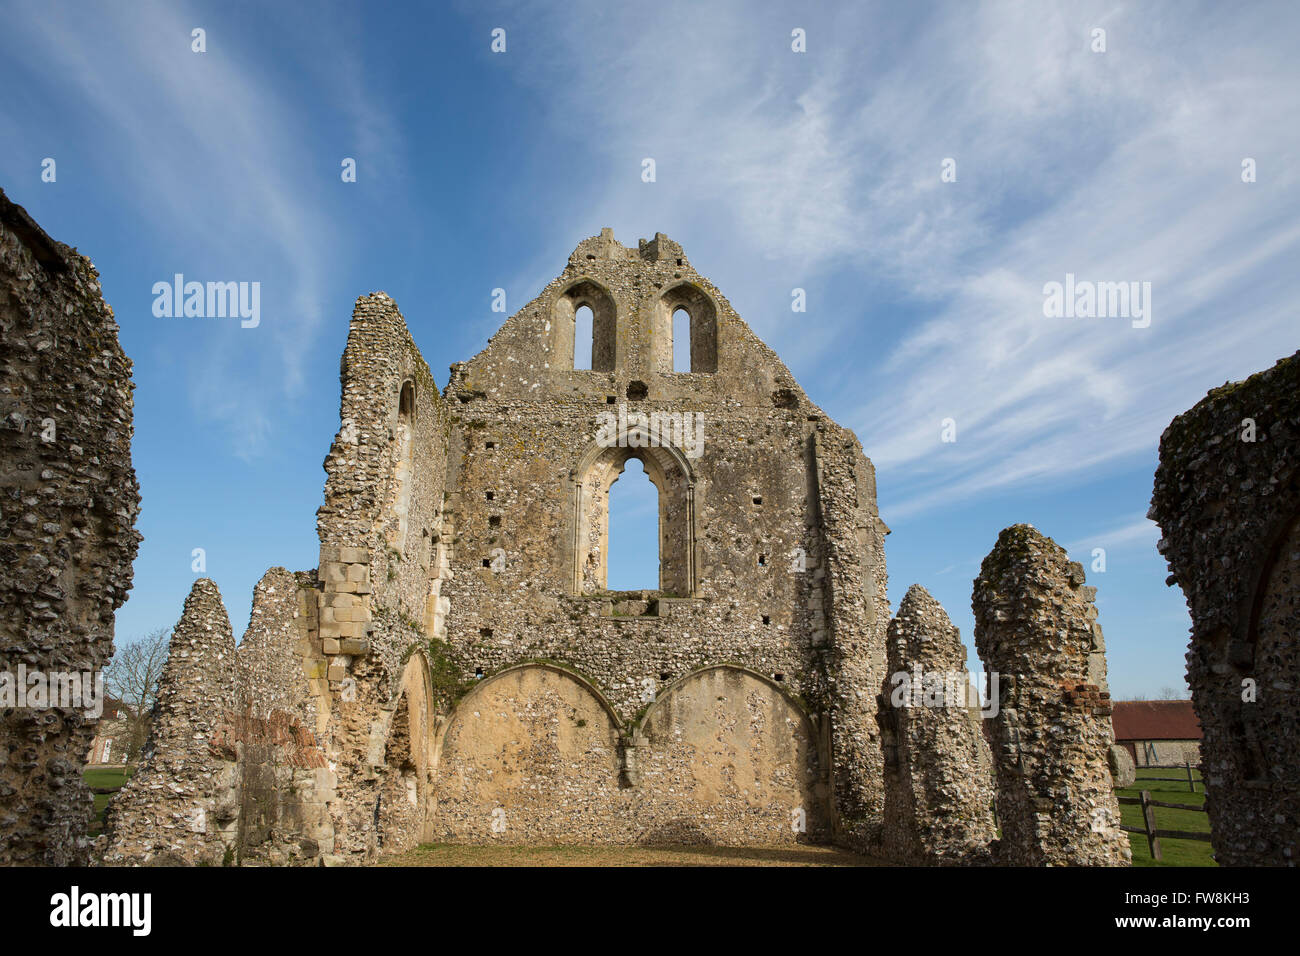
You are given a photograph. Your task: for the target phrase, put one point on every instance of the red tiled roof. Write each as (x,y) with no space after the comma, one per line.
(1155,720)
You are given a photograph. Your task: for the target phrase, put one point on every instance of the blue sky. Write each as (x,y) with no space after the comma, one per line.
(775,169)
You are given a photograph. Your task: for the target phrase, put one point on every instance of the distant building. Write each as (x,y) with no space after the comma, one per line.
(1158,733)
(112,735)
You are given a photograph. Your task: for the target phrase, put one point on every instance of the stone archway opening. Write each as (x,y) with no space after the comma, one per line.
(670,473)
(401,811)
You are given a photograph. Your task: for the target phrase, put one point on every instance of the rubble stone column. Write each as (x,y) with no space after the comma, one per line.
(181,806)
(938,771)
(1036,629)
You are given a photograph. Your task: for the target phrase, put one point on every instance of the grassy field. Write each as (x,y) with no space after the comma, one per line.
(1174,852)
(446,855)
(103,777)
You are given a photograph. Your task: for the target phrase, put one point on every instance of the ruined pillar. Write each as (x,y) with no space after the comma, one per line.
(181,806)
(853,613)
(1036,628)
(938,772)
(1227,499)
(68,505)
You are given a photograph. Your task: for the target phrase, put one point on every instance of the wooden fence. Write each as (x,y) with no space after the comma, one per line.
(1149,829)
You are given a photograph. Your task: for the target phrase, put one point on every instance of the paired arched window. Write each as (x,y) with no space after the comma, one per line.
(686,331)
(584,324)
(584,328)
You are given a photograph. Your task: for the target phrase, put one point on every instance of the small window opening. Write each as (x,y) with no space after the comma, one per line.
(609,399)
(637,391)
(494,521)
(487,562)
(583,339)
(766,619)
(664,676)
(485,632)
(490,444)
(758,499)
(681,341)
(490,495)
(478,673)
(762,563)
(778,676)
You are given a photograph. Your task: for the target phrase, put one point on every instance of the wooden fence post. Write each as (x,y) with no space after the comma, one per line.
(1191,783)
(1149,821)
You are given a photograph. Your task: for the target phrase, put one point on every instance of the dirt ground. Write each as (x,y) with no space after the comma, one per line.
(446,855)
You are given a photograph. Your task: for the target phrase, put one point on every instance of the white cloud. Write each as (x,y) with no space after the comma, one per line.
(214,152)
(1116,166)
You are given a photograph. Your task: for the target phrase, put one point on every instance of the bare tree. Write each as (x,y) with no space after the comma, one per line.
(132,677)
(1170,693)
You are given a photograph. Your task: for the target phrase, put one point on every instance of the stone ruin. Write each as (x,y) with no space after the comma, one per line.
(938,771)
(232,768)
(1227,499)
(68,505)
(456,668)
(1036,627)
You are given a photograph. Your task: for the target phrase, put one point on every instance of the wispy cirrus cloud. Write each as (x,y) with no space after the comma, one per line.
(1115,166)
(216,152)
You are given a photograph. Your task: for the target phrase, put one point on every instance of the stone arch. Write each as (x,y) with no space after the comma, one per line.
(699,305)
(728,755)
(604,325)
(669,470)
(401,811)
(530,754)
(1266,726)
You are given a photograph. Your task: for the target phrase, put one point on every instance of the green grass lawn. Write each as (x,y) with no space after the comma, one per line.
(1174,852)
(434,854)
(103,777)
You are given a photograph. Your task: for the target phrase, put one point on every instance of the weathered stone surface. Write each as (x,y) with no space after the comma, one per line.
(1034,627)
(457,669)
(233,771)
(1122,769)
(181,806)
(938,771)
(68,505)
(1227,499)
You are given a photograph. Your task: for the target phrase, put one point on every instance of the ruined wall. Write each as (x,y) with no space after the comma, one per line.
(771,557)
(1227,499)
(68,505)
(938,771)
(285,785)
(233,771)
(537,755)
(181,806)
(852,538)
(1036,626)
(381,554)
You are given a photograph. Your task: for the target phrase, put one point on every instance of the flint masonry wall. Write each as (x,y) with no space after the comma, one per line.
(181,806)
(233,771)
(68,505)
(1227,498)
(938,771)
(770,547)
(285,785)
(381,554)
(1036,626)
